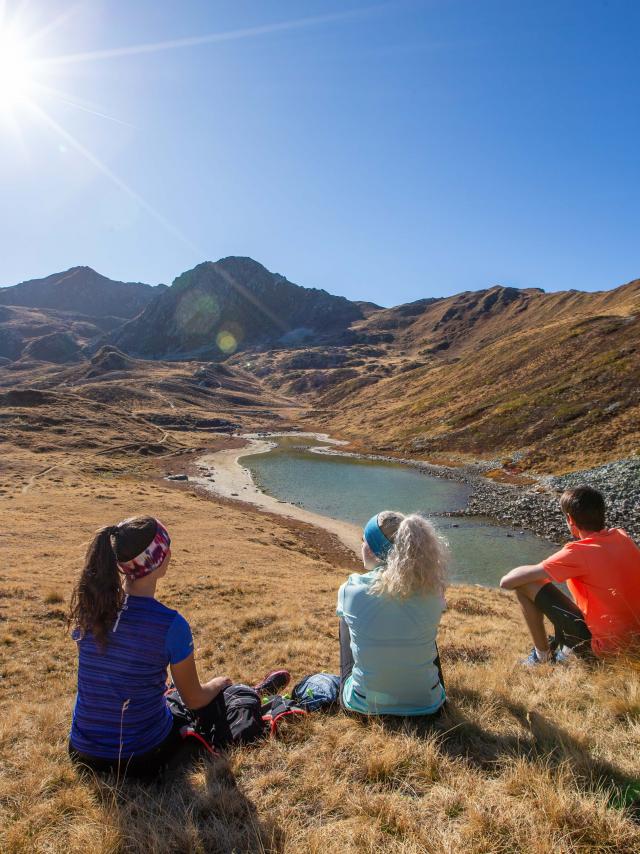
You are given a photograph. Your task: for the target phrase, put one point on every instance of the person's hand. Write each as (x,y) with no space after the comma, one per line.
(218,684)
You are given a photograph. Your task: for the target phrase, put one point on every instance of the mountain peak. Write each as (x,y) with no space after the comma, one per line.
(512,288)
(83,268)
(82,290)
(237,301)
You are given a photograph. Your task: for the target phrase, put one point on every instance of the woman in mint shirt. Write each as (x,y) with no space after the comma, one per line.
(390,614)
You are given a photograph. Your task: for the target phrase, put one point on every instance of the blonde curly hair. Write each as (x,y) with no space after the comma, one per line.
(418,561)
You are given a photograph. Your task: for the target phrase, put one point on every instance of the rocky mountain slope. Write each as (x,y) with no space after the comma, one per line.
(83,291)
(54,319)
(235,303)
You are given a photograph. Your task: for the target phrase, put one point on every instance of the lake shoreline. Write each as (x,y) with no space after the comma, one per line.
(511,505)
(536,508)
(222,474)
(530,508)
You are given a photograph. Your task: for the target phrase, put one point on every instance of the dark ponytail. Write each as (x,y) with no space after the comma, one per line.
(99,595)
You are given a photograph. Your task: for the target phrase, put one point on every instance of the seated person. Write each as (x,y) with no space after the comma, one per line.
(389,619)
(602,570)
(124,719)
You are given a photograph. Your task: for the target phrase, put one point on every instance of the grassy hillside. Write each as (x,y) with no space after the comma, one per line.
(539,382)
(522,762)
(551,378)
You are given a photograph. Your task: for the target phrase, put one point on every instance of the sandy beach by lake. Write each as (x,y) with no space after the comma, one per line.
(223,474)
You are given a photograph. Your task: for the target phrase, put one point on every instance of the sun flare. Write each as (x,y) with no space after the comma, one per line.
(33,74)
(16,71)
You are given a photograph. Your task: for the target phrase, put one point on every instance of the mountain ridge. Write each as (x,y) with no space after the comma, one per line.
(542,381)
(234,303)
(82,290)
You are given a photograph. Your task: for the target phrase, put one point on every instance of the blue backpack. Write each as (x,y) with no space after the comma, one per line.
(315,692)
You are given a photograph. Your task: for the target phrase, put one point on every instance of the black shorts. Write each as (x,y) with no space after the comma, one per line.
(210,722)
(568,620)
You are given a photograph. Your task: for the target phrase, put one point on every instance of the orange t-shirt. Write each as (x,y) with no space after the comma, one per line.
(602,572)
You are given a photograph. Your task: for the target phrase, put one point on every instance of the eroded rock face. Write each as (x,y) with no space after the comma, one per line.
(219,308)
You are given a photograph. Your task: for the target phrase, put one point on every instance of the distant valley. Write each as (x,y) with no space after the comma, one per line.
(535,381)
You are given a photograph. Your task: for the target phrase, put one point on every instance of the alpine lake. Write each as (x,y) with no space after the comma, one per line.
(353,490)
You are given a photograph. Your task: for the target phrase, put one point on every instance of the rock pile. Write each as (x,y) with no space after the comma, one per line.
(619,482)
(540,512)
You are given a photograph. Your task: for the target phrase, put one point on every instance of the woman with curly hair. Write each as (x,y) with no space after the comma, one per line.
(389,619)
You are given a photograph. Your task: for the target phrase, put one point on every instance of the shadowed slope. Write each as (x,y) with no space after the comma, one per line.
(81,289)
(218,308)
(49,335)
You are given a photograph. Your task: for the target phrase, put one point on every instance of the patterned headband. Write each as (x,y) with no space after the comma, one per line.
(151,558)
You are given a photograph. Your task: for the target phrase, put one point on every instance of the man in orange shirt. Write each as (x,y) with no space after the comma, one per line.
(602,570)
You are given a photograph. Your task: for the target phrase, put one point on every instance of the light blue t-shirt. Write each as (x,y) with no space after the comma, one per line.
(393,642)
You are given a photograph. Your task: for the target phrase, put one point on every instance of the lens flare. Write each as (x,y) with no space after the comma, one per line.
(197,313)
(229,337)
(226,341)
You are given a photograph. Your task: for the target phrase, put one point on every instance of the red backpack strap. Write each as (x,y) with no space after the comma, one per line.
(280,708)
(189,732)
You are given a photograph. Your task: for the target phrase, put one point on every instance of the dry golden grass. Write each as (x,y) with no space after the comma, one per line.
(466,377)
(522,761)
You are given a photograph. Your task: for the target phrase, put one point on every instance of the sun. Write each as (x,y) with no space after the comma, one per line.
(16,71)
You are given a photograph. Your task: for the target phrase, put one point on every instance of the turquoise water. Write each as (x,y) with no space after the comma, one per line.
(353,490)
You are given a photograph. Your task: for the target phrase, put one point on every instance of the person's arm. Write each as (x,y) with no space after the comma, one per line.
(523,575)
(194,694)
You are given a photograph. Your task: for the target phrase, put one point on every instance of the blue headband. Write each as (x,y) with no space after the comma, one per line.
(376,540)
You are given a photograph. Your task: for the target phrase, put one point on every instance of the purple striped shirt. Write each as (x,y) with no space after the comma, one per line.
(120,708)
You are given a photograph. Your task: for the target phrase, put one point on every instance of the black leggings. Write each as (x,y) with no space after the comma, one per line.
(346,657)
(569,626)
(210,722)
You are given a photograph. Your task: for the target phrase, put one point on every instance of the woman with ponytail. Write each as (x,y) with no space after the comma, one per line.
(123,719)
(389,619)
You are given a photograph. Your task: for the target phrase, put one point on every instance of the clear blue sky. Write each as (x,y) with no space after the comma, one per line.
(384,152)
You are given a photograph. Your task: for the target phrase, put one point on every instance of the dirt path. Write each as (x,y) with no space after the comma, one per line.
(35,477)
